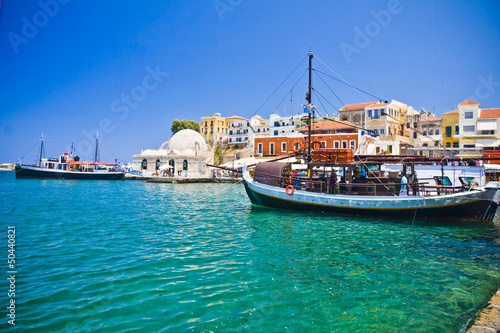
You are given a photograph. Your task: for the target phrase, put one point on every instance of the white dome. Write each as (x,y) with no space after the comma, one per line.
(187,139)
(188,152)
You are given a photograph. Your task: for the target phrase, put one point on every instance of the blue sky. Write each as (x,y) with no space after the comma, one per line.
(129,68)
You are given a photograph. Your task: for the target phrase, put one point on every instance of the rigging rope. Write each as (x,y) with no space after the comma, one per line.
(300,63)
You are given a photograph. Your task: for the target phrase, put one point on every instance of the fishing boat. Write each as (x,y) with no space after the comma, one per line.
(69,167)
(334,180)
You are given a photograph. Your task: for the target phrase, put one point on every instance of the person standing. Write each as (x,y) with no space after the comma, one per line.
(404,187)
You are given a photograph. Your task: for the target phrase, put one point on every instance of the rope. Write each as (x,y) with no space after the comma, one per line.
(300,63)
(343,80)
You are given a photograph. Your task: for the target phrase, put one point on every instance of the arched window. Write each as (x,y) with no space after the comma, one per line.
(144,164)
(172,165)
(157,164)
(185,165)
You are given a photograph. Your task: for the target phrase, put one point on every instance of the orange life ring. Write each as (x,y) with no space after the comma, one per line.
(42,165)
(297,147)
(290,190)
(320,144)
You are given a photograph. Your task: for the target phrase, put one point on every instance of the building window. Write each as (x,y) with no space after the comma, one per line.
(448,145)
(172,165)
(455,144)
(471,128)
(157,165)
(470,146)
(437,131)
(283,147)
(369,113)
(337,144)
(424,133)
(382,131)
(469,115)
(448,131)
(323,144)
(144,164)
(271,148)
(414,135)
(375,114)
(353,144)
(457,130)
(344,143)
(259,148)
(185,165)
(431,132)
(275,132)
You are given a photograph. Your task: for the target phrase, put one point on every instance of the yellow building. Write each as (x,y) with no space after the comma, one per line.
(450,129)
(215,128)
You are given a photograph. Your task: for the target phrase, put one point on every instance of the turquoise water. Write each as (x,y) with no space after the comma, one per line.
(125,255)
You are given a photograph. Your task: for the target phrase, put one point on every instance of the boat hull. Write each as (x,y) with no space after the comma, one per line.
(26,172)
(477,204)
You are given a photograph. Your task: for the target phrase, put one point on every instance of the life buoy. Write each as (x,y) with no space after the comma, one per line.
(320,144)
(297,147)
(290,190)
(42,165)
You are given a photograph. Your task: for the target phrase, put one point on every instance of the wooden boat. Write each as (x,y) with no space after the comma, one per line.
(275,185)
(363,189)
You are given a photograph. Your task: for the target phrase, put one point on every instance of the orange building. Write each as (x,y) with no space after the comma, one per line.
(328,134)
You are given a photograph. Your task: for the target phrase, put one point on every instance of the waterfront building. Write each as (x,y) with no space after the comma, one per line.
(430,130)
(354,113)
(186,153)
(478,129)
(387,121)
(328,134)
(242,131)
(284,126)
(450,131)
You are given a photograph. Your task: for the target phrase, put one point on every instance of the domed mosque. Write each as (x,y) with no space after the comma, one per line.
(186,154)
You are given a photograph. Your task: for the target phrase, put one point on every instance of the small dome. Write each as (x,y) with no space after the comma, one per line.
(187,139)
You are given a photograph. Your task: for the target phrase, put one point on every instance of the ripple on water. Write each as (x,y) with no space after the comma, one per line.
(121,256)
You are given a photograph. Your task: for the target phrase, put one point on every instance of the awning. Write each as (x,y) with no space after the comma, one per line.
(487,125)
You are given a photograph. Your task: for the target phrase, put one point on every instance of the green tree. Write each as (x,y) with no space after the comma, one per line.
(178,125)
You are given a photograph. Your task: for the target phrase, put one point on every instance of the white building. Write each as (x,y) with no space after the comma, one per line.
(186,154)
(283,126)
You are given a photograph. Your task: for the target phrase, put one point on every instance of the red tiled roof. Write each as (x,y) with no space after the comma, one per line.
(451,112)
(359,106)
(378,104)
(469,102)
(489,113)
(235,117)
(430,119)
(330,125)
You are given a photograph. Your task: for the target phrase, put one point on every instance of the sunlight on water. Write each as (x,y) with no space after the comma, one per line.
(116,256)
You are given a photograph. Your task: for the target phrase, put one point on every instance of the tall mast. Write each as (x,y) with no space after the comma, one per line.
(309,106)
(96,146)
(41,151)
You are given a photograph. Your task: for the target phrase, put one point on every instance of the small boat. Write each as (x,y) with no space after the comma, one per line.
(365,187)
(69,167)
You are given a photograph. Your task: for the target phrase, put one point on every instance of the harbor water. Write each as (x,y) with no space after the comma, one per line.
(118,256)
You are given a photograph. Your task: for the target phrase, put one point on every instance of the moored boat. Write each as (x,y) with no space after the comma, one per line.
(363,187)
(69,167)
